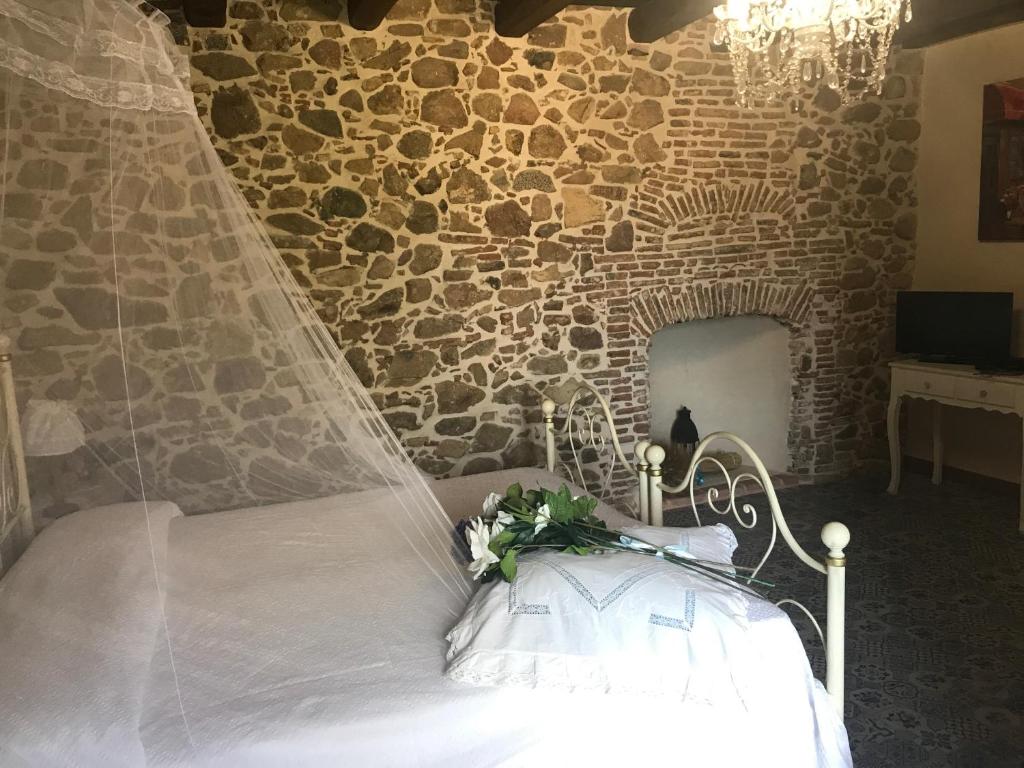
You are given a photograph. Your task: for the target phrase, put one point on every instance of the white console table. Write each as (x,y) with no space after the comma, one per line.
(956,385)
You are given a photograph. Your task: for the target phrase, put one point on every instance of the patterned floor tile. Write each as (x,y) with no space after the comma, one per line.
(935,620)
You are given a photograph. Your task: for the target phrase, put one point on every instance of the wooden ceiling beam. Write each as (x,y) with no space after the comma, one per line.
(656,18)
(205,13)
(515,18)
(368,14)
(936,21)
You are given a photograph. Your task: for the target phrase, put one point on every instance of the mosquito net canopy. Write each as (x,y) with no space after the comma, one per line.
(142,297)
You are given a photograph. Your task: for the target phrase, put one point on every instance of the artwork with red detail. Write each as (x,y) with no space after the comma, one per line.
(1001,214)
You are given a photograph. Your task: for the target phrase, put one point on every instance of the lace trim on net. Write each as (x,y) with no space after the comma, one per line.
(111,45)
(43,23)
(51,74)
(105,42)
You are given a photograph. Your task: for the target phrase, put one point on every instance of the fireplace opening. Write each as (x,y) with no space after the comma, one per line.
(734,375)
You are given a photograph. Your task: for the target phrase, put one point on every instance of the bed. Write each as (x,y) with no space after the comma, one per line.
(82,676)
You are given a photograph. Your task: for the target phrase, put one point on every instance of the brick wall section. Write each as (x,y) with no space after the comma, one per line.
(479,220)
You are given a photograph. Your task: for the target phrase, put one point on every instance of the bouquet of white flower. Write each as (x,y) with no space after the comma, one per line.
(522,520)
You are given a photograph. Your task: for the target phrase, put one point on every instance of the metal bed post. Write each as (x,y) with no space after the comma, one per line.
(836,537)
(548,408)
(643,488)
(655,456)
(16,526)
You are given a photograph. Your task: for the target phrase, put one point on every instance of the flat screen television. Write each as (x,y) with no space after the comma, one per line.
(954,327)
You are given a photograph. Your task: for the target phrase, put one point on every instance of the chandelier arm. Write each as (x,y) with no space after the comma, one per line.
(778,47)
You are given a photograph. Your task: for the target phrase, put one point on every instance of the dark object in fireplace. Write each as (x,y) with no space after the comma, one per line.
(684,431)
(684,437)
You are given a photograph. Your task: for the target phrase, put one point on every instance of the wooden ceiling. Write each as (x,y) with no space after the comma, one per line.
(649,20)
(936,21)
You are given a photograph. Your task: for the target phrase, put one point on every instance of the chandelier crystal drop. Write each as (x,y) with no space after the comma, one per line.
(779,46)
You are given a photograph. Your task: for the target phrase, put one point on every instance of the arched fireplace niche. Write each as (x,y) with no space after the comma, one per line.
(739,354)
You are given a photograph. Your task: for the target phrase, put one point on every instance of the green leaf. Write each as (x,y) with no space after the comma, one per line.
(508,565)
(584,505)
(522,506)
(577,549)
(524,534)
(560,504)
(505,537)
(515,491)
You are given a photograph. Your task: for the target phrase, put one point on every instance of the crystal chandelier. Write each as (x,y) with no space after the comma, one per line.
(776,46)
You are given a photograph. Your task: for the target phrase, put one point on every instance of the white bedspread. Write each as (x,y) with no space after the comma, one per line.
(282,661)
(79,613)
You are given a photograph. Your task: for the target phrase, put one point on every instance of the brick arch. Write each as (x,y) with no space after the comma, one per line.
(652,309)
(657,211)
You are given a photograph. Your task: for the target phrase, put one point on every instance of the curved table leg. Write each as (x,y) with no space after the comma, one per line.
(895,454)
(937,447)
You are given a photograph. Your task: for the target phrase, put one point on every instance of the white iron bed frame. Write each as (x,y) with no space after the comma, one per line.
(583,424)
(589,425)
(16,527)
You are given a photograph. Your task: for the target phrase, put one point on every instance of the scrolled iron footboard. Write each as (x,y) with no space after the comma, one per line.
(589,424)
(725,502)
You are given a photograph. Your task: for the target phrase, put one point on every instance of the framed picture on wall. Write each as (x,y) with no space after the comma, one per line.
(1001,214)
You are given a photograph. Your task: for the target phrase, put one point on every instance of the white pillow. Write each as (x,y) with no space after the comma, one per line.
(713,543)
(616,623)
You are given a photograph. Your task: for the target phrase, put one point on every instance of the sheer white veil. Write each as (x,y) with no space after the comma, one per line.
(139,289)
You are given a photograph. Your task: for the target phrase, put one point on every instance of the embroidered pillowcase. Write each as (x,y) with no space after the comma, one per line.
(613,623)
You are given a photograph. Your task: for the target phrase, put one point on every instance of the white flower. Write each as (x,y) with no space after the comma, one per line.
(542,519)
(478,536)
(492,508)
(491,504)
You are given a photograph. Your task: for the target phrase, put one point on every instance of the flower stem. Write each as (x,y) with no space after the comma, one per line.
(724,577)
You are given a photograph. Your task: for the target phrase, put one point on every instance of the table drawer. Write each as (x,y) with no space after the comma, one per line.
(994,392)
(928,383)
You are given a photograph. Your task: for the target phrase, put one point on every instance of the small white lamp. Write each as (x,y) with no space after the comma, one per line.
(51,428)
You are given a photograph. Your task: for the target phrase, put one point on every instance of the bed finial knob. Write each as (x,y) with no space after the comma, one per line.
(548,408)
(641,452)
(655,456)
(836,537)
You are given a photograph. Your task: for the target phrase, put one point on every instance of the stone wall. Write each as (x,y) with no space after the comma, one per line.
(136,290)
(479,219)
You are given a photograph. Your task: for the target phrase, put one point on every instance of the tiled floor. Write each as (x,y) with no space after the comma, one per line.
(935,617)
